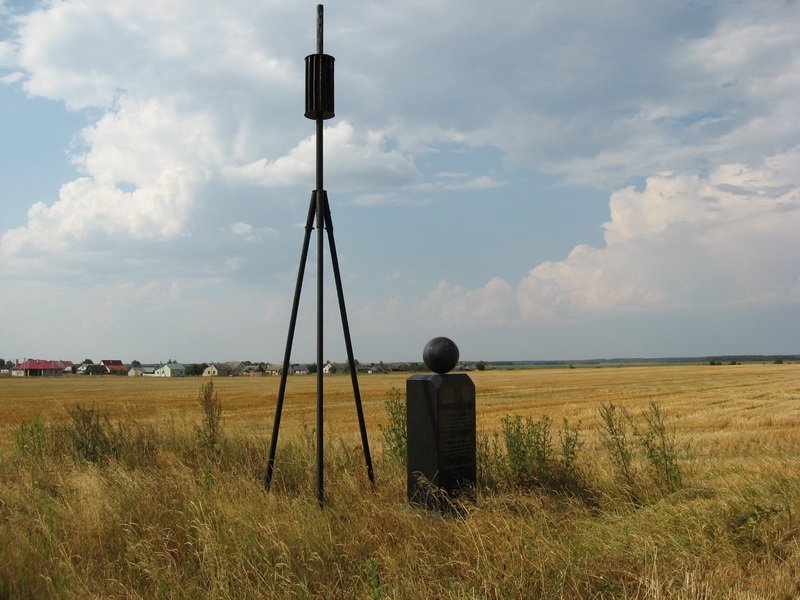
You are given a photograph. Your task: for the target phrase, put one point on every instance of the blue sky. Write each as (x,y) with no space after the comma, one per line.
(536,180)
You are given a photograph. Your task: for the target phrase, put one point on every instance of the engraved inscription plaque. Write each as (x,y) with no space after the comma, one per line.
(440,412)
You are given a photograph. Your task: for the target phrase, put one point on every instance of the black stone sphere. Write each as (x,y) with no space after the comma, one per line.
(441,355)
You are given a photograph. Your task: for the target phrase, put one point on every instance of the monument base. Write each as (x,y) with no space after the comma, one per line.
(440,417)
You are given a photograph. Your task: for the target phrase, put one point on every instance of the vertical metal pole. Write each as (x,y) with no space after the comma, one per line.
(320,237)
(319,106)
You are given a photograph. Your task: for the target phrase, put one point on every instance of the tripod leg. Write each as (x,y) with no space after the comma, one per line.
(289,339)
(348,344)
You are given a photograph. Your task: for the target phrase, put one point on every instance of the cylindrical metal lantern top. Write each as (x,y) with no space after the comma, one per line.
(319,86)
(319,78)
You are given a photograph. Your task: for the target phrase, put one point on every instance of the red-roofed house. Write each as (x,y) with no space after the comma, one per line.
(114,367)
(37,368)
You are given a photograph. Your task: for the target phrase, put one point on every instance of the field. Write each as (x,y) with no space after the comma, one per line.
(157,508)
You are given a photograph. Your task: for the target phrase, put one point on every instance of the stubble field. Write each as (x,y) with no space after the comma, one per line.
(165,513)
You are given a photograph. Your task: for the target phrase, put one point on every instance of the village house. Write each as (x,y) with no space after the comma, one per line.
(218,370)
(37,368)
(235,366)
(330,367)
(114,367)
(67,366)
(171,370)
(91,369)
(253,371)
(142,371)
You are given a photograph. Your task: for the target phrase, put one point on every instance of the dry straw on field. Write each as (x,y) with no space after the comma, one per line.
(129,488)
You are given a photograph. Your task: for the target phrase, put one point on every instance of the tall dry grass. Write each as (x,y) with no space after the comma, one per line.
(154,511)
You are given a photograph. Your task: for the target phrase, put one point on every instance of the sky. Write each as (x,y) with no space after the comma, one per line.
(535,179)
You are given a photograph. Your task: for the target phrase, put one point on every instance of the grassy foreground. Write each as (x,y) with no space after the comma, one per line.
(137,495)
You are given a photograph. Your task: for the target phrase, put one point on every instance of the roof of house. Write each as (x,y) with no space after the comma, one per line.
(33,363)
(114,365)
(173,366)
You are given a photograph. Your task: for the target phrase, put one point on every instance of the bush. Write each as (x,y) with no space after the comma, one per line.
(657,445)
(530,460)
(395,433)
(209,433)
(659,450)
(91,436)
(615,421)
(30,438)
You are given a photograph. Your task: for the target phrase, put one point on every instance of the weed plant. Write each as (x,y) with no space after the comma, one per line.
(209,433)
(615,421)
(395,436)
(622,435)
(660,450)
(30,438)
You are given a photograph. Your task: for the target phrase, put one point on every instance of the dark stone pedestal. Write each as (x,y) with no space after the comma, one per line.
(440,413)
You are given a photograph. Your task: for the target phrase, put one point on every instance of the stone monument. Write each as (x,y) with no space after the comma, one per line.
(440,419)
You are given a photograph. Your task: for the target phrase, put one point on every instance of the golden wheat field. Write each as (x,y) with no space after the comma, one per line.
(157,508)
(726,410)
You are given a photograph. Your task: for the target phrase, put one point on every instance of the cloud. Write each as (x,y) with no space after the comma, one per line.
(185,105)
(388,199)
(460,182)
(143,165)
(672,89)
(683,242)
(452,305)
(6,54)
(248,232)
(355,159)
(90,53)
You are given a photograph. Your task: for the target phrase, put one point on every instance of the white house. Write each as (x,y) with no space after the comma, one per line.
(273,369)
(218,370)
(142,371)
(171,370)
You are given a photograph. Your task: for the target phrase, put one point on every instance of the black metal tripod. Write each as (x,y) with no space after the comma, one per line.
(319,106)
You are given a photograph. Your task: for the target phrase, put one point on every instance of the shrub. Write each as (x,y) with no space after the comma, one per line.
(615,421)
(30,438)
(530,460)
(570,445)
(528,449)
(91,436)
(395,433)
(490,459)
(657,445)
(659,450)
(209,433)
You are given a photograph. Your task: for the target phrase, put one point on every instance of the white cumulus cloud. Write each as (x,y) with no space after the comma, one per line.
(351,156)
(729,240)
